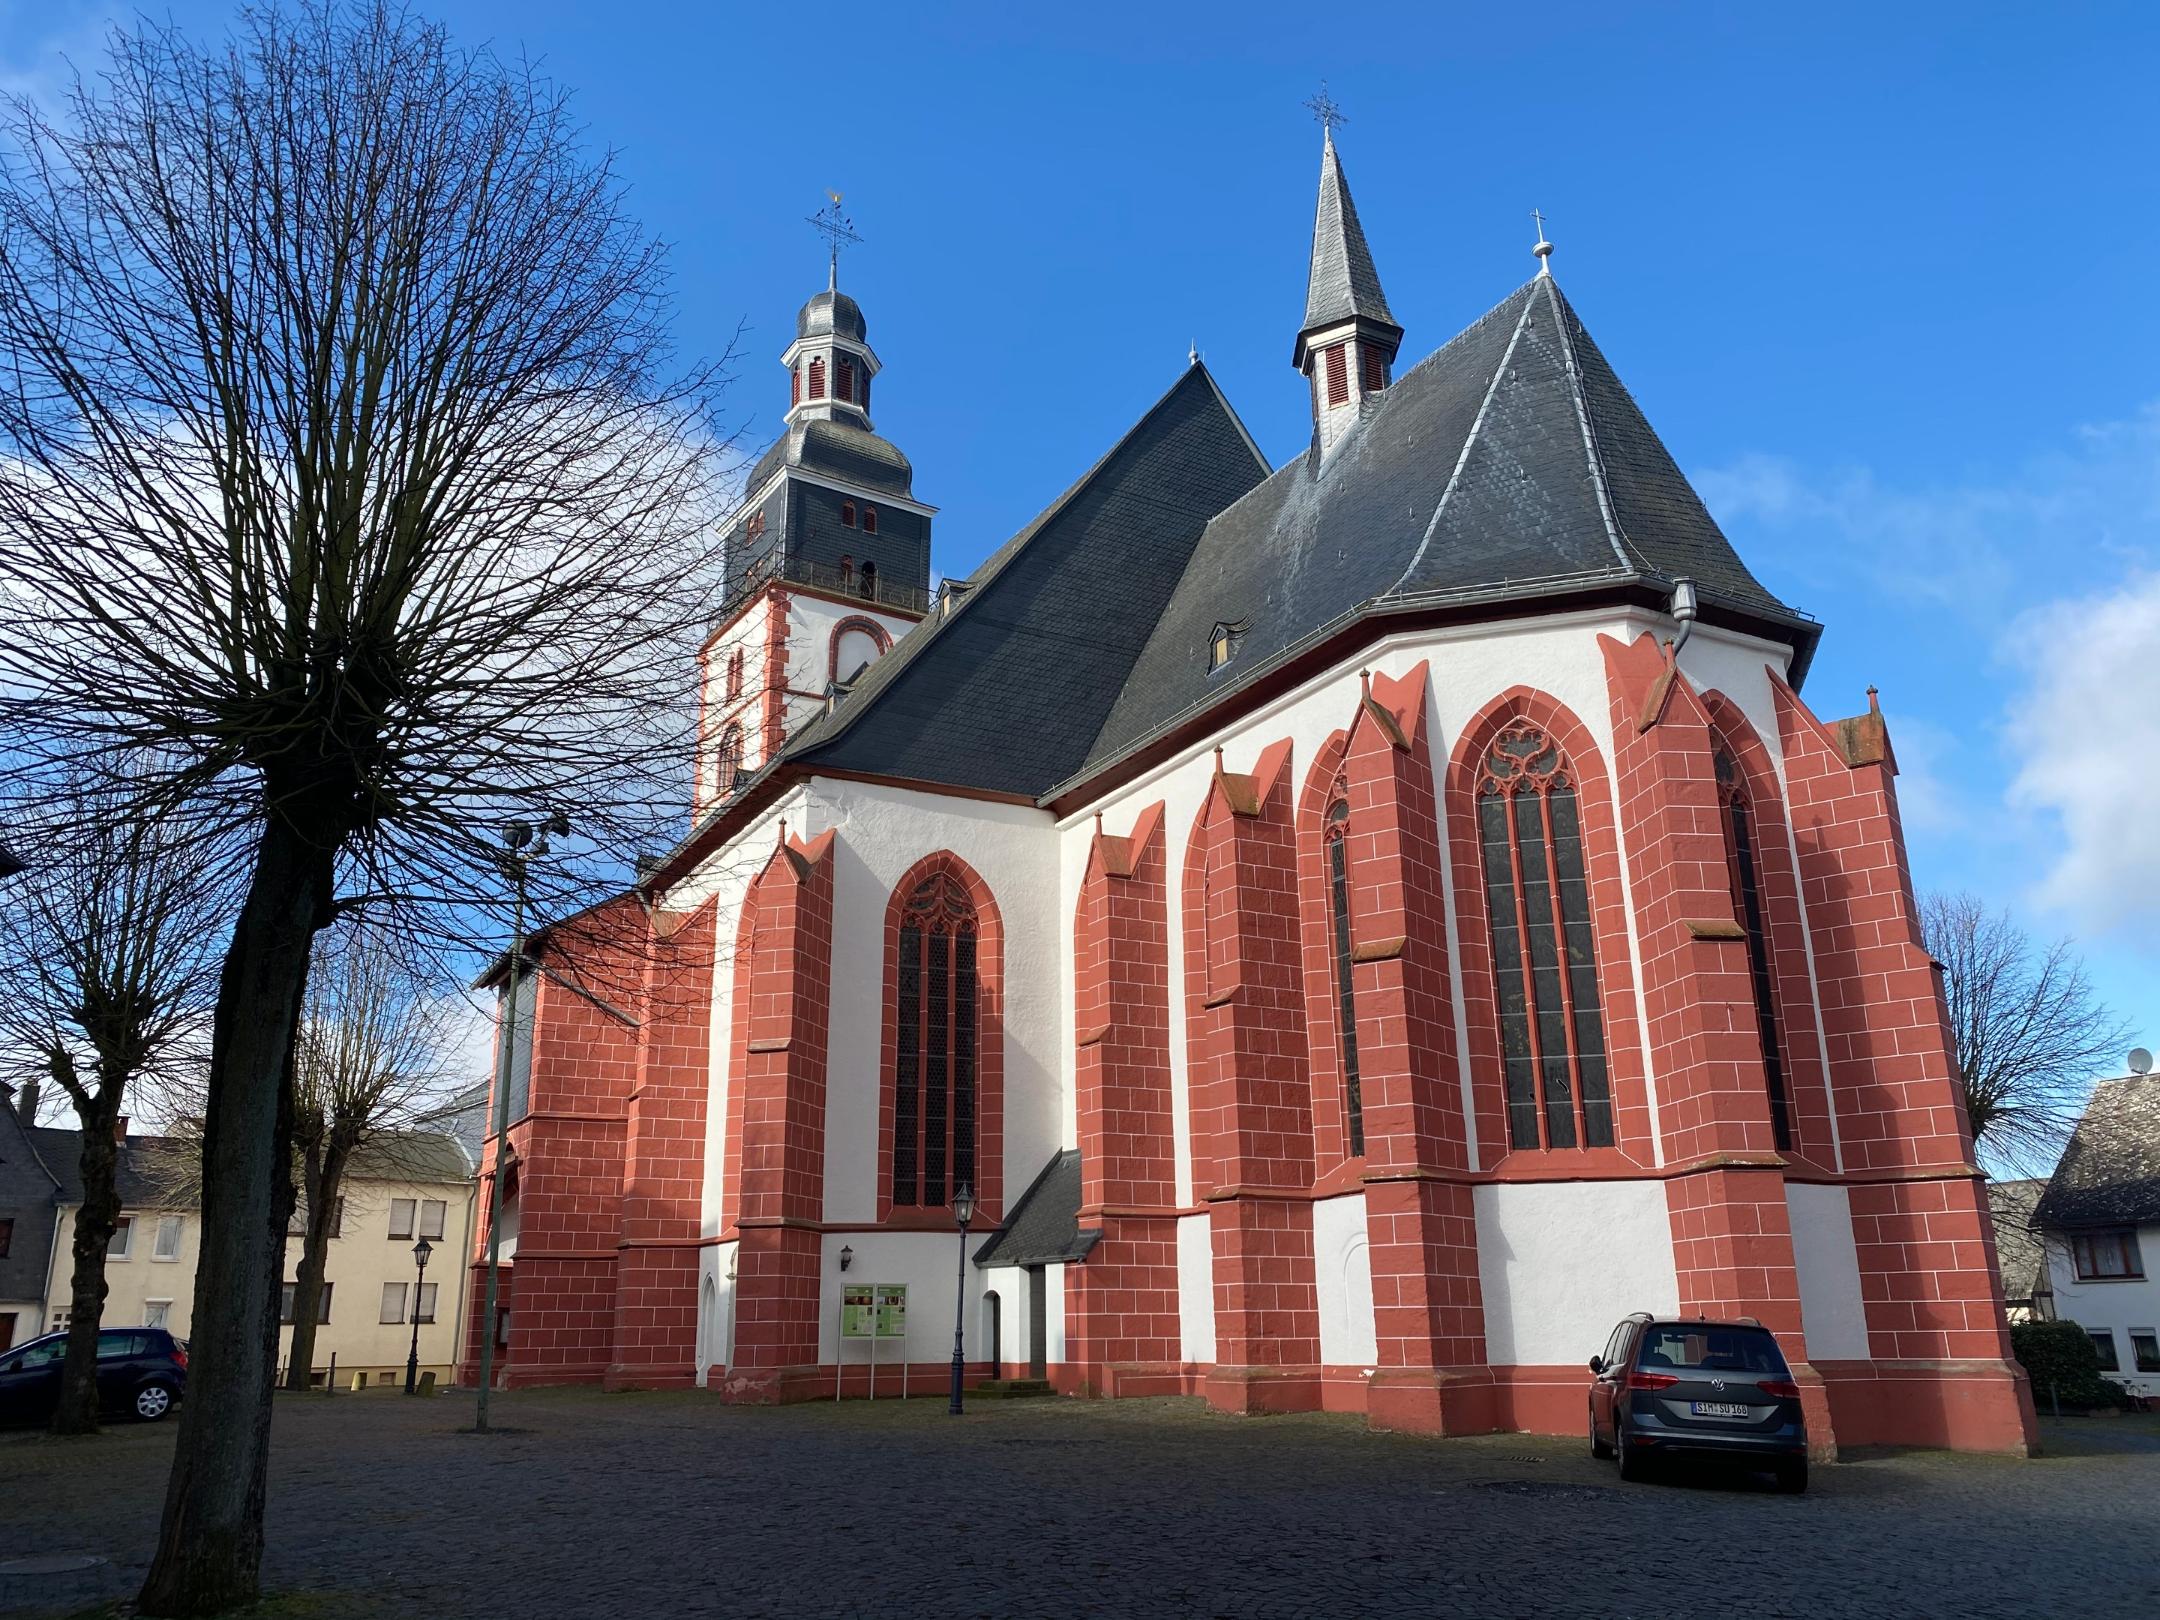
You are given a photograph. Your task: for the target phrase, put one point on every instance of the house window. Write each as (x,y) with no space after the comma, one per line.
(2104,1346)
(2107,1256)
(869,520)
(285,1303)
(1375,368)
(393,1303)
(401,1217)
(167,1245)
(1552,1035)
(2145,1349)
(424,1311)
(1743,872)
(157,1313)
(1337,835)
(847,513)
(432,1211)
(934,1071)
(123,1234)
(1338,376)
(844,385)
(817,377)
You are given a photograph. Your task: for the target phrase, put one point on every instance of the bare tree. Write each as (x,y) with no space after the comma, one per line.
(347,463)
(2030,1033)
(108,953)
(369,1055)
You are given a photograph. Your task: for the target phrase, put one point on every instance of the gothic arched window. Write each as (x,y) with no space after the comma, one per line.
(1336,833)
(869,520)
(1744,871)
(934,1070)
(1537,895)
(729,758)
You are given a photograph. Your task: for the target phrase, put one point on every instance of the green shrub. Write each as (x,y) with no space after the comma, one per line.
(2062,1362)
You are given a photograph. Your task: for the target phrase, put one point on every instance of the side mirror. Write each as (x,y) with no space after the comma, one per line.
(1597,1364)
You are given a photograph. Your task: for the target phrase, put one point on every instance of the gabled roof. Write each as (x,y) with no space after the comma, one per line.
(2017,1245)
(1508,464)
(1006,688)
(2110,1173)
(1343,283)
(136,1167)
(1044,1227)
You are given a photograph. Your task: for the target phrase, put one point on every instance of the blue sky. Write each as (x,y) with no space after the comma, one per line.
(1881,275)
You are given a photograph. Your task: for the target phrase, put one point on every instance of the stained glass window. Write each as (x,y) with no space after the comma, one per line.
(935,1066)
(1744,871)
(1337,836)
(1537,894)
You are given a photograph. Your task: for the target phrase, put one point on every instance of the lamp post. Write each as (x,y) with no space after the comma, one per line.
(420,1253)
(963,1208)
(520,850)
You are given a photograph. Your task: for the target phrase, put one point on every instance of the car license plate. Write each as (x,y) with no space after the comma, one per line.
(1723,1409)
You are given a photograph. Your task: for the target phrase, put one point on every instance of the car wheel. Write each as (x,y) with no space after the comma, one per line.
(1792,1476)
(153,1401)
(1598,1448)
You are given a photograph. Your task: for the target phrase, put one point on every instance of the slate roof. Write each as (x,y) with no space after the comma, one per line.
(2017,1245)
(1343,283)
(841,449)
(1007,689)
(1044,1227)
(27,1188)
(831,311)
(135,1167)
(1510,463)
(2109,1175)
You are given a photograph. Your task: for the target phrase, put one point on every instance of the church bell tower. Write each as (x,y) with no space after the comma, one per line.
(1347,346)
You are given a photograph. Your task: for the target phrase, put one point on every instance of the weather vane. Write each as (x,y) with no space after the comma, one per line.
(1326,110)
(838,231)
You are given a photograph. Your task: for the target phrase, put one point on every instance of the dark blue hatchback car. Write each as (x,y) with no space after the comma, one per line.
(142,1373)
(1701,1389)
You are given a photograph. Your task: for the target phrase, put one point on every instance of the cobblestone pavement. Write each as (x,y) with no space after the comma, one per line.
(637,1505)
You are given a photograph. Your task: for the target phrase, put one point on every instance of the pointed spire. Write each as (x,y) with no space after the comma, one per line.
(1343,284)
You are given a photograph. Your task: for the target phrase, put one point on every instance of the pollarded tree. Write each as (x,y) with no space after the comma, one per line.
(348,465)
(2030,1032)
(108,960)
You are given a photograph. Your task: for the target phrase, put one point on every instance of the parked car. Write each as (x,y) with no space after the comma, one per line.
(142,1373)
(1701,1390)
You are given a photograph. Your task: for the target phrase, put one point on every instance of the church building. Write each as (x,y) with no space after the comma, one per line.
(1355,930)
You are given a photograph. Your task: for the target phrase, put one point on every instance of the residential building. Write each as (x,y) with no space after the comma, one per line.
(2099,1220)
(399,1188)
(2028,1291)
(1355,930)
(29,1213)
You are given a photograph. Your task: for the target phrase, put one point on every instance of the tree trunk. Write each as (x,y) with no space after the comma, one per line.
(77,1412)
(322,1170)
(209,1554)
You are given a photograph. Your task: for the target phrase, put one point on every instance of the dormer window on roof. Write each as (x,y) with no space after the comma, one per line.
(1223,644)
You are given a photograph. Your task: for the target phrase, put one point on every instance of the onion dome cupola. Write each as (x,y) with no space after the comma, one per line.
(830,363)
(1347,346)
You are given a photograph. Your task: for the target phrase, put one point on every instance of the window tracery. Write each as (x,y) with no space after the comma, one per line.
(935,1069)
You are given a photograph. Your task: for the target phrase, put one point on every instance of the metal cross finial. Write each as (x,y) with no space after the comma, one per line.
(1325,109)
(1543,250)
(838,230)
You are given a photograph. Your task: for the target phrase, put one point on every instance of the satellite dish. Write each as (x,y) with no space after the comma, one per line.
(2140,1060)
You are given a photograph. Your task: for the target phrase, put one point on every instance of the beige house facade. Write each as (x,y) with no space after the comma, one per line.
(400,1190)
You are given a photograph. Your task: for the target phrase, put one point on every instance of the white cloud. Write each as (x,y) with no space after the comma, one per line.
(2087,730)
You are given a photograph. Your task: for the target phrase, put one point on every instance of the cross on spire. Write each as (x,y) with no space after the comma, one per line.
(1543,250)
(1326,110)
(838,230)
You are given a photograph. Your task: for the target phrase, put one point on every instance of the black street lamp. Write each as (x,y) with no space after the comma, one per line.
(420,1253)
(963,1209)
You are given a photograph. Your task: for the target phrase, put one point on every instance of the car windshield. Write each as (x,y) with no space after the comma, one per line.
(1705,1347)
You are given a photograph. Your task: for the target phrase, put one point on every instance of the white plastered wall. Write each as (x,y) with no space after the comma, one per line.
(2116,1308)
(1832,1312)
(1342,1269)
(1561,1262)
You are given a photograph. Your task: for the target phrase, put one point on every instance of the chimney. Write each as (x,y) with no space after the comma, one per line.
(119,1129)
(26,1102)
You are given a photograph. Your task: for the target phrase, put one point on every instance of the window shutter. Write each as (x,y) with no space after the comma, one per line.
(393,1303)
(401,1217)
(431,1218)
(1375,368)
(844,388)
(817,377)
(794,393)
(1338,376)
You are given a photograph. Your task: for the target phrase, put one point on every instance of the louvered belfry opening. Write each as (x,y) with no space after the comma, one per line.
(1338,375)
(1552,1031)
(817,376)
(1744,870)
(934,1091)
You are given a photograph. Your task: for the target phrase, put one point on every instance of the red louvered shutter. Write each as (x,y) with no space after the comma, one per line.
(817,377)
(1375,368)
(1338,376)
(844,388)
